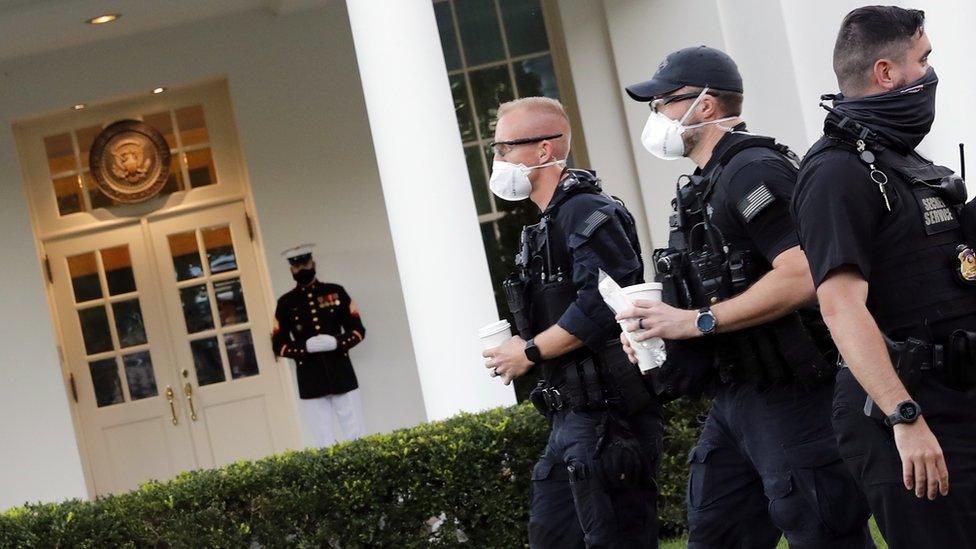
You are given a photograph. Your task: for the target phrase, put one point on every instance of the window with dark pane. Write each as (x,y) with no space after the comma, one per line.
(525,26)
(185,252)
(118,270)
(491,87)
(240,354)
(95,330)
(536,76)
(206,360)
(139,375)
(462,108)
(106,382)
(83,270)
(220,249)
(479,185)
(230,301)
(445,26)
(196,309)
(480,33)
(128,323)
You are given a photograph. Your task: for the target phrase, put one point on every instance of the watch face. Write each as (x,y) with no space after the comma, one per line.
(908,411)
(706,322)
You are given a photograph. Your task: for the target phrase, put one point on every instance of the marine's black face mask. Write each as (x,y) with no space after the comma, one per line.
(304,276)
(904,116)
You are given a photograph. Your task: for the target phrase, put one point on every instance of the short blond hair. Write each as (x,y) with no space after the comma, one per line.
(548,112)
(541,105)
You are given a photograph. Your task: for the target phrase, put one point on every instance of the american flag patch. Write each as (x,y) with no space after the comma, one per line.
(755,202)
(595,220)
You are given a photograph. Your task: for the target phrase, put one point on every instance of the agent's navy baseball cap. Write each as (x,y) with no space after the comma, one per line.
(698,66)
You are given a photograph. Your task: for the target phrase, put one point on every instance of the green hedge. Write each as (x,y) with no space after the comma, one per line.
(460,481)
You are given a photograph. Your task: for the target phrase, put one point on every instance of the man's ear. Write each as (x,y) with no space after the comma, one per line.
(709,107)
(882,74)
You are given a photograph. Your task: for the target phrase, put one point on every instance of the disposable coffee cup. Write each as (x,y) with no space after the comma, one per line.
(495,334)
(649,352)
(649,291)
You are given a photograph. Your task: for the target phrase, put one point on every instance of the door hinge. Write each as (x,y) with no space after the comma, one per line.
(47,269)
(250,227)
(74,389)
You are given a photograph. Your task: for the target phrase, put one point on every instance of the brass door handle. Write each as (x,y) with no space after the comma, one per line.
(188,390)
(172,406)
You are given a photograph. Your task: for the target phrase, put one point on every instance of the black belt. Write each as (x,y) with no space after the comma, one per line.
(930,357)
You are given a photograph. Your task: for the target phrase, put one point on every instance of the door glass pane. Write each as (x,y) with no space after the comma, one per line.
(524,26)
(86,136)
(193,126)
(128,323)
(196,308)
(445,26)
(536,77)
(60,154)
(491,88)
(480,35)
(118,270)
(230,301)
(94,329)
(240,354)
(105,380)
(84,277)
(162,122)
(200,167)
(139,375)
(206,359)
(186,255)
(220,249)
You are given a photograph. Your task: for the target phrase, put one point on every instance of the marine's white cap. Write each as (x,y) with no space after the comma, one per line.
(298,254)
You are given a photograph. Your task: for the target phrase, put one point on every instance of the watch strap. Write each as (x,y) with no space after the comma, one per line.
(532,352)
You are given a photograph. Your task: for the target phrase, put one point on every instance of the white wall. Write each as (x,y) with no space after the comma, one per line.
(299,109)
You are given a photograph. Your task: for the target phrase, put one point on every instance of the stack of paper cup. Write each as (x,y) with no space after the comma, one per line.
(495,334)
(650,353)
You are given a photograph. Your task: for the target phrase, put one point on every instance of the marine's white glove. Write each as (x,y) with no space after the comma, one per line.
(321,343)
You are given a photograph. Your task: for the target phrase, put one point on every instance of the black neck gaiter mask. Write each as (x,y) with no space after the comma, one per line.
(304,277)
(903,116)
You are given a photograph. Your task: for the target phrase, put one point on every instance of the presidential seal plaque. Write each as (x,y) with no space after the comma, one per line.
(130,161)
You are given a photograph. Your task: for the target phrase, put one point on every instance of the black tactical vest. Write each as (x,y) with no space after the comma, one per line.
(915,278)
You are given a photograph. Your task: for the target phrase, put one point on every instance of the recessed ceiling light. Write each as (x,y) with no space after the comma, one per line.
(79,106)
(102,19)
(159,90)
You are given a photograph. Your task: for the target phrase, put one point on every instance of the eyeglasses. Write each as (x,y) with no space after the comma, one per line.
(656,104)
(501,148)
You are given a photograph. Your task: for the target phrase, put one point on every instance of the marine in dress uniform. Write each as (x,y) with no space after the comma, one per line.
(316,324)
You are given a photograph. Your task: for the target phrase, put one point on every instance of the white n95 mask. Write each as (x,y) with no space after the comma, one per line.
(511,181)
(662,136)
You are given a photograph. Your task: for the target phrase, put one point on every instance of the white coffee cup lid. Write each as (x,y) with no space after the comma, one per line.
(647,286)
(494,328)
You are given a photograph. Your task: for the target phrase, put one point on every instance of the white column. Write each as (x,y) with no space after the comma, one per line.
(440,256)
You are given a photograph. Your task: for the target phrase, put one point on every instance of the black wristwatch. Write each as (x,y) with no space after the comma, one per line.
(706,322)
(906,412)
(532,352)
